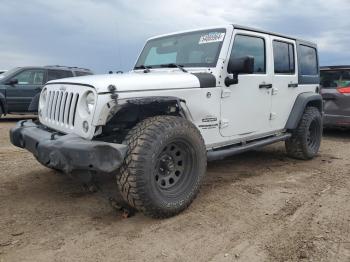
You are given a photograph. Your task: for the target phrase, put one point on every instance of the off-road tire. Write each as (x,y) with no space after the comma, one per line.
(164,166)
(306,138)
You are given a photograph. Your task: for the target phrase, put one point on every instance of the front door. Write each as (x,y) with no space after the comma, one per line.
(245,106)
(19,96)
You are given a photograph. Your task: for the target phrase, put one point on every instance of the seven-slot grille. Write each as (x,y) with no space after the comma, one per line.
(61,107)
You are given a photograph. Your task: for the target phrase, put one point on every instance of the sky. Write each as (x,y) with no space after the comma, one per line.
(108,35)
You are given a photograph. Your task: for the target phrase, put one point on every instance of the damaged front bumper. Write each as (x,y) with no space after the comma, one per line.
(67,152)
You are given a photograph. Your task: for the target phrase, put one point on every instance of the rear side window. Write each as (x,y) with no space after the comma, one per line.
(250,46)
(81,73)
(345,79)
(330,79)
(335,78)
(308,61)
(58,74)
(283,54)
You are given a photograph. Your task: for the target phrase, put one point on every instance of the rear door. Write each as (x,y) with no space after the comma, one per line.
(30,82)
(285,80)
(336,92)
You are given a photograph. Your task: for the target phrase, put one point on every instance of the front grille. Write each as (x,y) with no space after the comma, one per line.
(61,107)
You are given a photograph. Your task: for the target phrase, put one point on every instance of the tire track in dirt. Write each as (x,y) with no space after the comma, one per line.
(259,206)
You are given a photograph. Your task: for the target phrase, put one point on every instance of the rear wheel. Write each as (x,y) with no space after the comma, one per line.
(306,138)
(165,163)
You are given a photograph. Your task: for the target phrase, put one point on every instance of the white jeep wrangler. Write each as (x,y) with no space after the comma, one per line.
(193,96)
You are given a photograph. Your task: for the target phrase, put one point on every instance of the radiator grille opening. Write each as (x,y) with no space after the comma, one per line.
(61,107)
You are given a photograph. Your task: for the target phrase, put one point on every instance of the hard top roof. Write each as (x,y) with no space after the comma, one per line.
(271,33)
(237,27)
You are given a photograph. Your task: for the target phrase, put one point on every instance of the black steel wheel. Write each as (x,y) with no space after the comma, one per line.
(306,138)
(174,166)
(313,135)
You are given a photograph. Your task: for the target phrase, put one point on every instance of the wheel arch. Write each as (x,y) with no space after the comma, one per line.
(134,110)
(3,104)
(155,105)
(303,100)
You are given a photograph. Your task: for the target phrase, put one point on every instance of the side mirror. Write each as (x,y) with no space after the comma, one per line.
(242,65)
(12,82)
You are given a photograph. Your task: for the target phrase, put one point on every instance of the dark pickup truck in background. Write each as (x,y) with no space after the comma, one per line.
(335,90)
(21,86)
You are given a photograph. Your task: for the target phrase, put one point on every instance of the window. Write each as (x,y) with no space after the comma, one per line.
(30,77)
(82,73)
(154,57)
(58,74)
(283,54)
(193,49)
(330,79)
(308,60)
(250,46)
(335,78)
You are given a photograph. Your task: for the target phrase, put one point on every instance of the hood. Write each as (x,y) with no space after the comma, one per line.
(139,81)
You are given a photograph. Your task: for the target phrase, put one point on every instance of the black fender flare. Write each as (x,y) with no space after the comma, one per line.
(3,105)
(303,100)
(175,105)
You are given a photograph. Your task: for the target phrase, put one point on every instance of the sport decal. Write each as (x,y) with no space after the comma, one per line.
(209,122)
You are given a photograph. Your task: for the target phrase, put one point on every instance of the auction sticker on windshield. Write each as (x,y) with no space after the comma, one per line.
(211,37)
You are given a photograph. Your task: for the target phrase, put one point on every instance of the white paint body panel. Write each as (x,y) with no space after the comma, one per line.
(135,81)
(247,104)
(238,113)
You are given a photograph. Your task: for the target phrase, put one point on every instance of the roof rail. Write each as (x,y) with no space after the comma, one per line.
(69,67)
(335,67)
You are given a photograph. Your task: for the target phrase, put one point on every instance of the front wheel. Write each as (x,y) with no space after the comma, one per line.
(165,164)
(306,138)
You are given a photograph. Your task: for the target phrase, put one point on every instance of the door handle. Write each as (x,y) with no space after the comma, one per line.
(293,85)
(267,86)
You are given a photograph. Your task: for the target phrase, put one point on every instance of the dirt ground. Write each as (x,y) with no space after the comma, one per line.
(259,206)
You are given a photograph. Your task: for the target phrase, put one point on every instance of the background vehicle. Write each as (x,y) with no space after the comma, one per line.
(20,87)
(2,71)
(193,96)
(335,84)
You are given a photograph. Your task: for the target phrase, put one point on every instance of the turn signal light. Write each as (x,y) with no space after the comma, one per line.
(344,90)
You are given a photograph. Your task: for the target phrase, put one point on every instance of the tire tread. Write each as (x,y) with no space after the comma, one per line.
(130,179)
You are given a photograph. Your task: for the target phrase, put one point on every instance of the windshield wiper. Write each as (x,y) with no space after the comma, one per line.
(173,65)
(147,68)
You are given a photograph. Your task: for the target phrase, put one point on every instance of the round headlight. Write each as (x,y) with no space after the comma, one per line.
(43,98)
(90,102)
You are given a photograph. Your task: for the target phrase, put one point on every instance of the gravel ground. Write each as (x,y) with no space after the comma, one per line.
(258,206)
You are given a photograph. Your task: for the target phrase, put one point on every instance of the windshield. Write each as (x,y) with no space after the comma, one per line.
(335,78)
(193,49)
(10,72)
